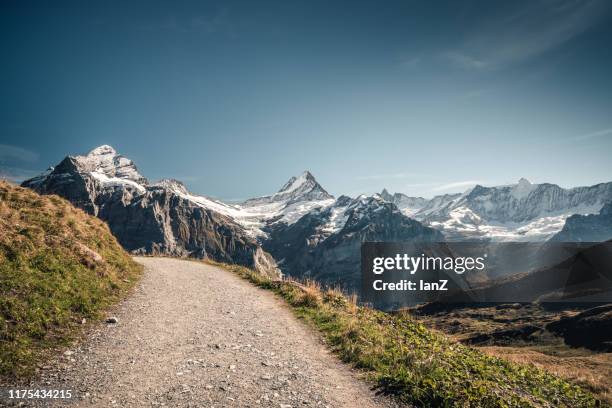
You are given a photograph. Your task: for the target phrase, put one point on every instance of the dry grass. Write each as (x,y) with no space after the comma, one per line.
(58,265)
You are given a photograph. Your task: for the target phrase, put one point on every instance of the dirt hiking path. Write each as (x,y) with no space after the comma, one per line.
(194,335)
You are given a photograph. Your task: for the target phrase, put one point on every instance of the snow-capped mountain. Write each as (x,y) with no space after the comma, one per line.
(298,189)
(518,212)
(157,218)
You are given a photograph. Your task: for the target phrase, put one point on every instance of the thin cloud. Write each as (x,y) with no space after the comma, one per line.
(410,62)
(527,32)
(392,176)
(464,60)
(593,135)
(16,175)
(8,152)
(219,22)
(456,185)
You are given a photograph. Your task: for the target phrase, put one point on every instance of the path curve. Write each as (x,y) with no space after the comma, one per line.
(195,335)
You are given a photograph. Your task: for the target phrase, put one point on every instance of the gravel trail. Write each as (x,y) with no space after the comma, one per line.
(194,335)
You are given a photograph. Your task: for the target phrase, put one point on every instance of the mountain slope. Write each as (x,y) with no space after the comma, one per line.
(58,266)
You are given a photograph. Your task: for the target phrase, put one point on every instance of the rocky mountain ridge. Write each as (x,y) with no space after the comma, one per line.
(146,218)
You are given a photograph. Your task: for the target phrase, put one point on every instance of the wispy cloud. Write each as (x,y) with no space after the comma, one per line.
(16,175)
(8,152)
(456,185)
(410,62)
(463,60)
(526,32)
(392,176)
(593,135)
(219,22)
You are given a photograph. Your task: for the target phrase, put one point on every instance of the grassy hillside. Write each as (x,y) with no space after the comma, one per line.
(58,266)
(419,365)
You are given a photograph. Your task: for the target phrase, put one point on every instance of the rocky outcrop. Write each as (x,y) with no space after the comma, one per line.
(157,219)
(587,228)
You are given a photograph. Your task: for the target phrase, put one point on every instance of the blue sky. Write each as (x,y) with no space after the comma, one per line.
(235,97)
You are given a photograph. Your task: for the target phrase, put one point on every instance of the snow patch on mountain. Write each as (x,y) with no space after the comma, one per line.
(107,181)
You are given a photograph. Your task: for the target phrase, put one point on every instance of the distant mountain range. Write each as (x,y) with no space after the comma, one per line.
(518,212)
(303,230)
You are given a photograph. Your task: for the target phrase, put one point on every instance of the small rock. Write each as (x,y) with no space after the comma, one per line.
(112,320)
(68,353)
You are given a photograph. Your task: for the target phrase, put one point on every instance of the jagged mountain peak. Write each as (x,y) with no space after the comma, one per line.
(386,195)
(102,151)
(408,205)
(306,178)
(298,189)
(104,160)
(524,182)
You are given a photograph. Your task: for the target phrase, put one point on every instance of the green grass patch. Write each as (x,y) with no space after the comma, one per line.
(415,364)
(58,266)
